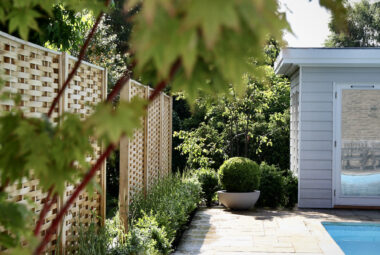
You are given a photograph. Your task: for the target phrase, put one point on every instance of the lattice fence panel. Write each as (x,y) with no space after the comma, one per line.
(136,148)
(154,148)
(36,73)
(147,156)
(32,72)
(84,91)
(166,135)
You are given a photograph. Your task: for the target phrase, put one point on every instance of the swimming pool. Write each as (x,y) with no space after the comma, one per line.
(355,238)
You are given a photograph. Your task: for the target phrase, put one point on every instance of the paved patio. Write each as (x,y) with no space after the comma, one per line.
(219,231)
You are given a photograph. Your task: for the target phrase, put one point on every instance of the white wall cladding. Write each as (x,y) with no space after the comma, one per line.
(316,129)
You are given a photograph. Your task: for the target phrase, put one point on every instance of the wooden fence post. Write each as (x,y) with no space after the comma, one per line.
(153,141)
(124,168)
(146,151)
(103,169)
(161,147)
(170,135)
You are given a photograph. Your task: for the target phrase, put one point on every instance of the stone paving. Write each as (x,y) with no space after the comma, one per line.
(219,231)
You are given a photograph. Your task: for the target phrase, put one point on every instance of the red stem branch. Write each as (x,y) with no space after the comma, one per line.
(161,85)
(120,83)
(81,56)
(47,205)
(91,173)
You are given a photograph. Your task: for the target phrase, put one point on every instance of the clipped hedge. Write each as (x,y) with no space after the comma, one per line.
(239,175)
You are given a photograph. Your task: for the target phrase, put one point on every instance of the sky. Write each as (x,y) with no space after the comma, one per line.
(309,22)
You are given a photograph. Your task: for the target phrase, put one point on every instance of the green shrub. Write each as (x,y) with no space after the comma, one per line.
(154,221)
(208,179)
(92,240)
(239,175)
(145,237)
(171,201)
(277,188)
(272,186)
(291,190)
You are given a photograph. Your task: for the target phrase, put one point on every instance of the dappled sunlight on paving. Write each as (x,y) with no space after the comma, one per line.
(220,231)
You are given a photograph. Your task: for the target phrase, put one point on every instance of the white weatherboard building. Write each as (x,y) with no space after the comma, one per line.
(335,124)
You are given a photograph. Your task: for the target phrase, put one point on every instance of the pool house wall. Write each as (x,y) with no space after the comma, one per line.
(316,129)
(312,117)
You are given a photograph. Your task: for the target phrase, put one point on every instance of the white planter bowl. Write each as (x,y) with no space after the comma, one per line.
(238,200)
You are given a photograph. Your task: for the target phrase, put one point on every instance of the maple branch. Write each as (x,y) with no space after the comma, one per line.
(78,62)
(161,85)
(91,173)
(47,205)
(120,83)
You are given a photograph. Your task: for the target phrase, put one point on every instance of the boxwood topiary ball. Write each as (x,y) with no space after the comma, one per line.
(239,175)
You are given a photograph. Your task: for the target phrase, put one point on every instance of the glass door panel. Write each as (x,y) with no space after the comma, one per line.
(360,143)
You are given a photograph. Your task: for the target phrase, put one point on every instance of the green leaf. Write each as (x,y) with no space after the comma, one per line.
(7,241)
(210,16)
(110,124)
(164,48)
(188,47)
(71,139)
(150,7)
(23,19)
(339,12)
(46,5)
(12,159)
(15,218)
(2,15)
(205,74)
(218,42)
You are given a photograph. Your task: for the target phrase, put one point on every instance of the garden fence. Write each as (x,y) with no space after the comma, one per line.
(37,73)
(147,156)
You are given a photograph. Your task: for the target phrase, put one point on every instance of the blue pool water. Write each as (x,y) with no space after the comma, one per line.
(355,238)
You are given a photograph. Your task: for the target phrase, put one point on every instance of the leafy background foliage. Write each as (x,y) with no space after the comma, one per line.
(206,48)
(255,125)
(362,27)
(50,17)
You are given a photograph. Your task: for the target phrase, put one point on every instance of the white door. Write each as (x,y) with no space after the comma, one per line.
(356,144)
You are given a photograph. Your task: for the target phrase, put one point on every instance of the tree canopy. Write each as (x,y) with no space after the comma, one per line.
(254,125)
(362,27)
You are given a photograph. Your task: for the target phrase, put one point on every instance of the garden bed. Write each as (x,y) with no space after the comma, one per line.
(181,231)
(156,221)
